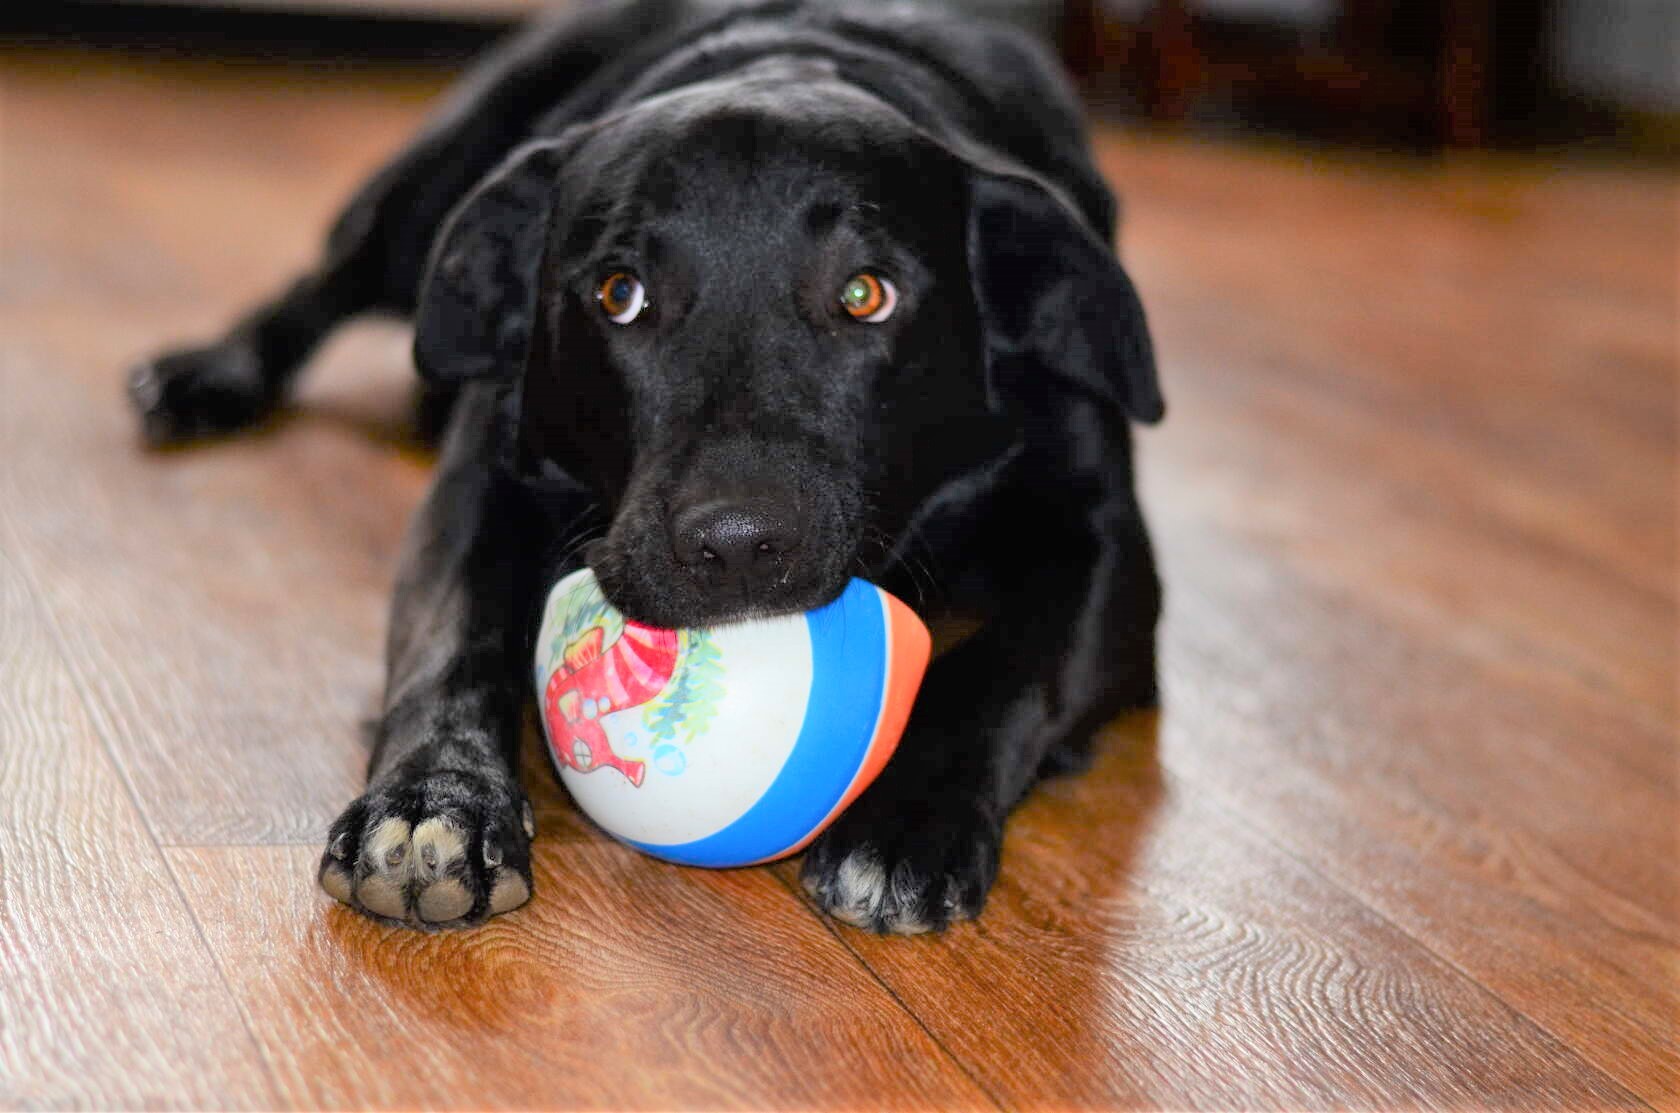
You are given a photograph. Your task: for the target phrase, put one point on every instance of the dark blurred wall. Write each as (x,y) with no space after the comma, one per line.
(1623,52)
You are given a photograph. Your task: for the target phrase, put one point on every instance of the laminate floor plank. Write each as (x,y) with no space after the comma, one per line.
(108,997)
(232,643)
(626,984)
(1443,797)
(1144,948)
(1420,638)
(1410,358)
(226,603)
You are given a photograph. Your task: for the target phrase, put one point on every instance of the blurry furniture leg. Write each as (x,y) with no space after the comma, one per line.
(1466,83)
(1157,54)
(1083,38)
(1177,62)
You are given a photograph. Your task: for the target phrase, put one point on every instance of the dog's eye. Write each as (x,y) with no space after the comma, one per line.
(868,297)
(622,297)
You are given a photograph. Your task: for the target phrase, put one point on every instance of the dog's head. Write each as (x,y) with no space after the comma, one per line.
(765,319)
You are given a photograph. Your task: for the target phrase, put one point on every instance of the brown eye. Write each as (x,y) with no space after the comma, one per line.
(622,297)
(868,298)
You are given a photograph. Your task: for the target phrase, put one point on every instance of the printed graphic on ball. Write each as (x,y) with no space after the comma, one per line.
(626,703)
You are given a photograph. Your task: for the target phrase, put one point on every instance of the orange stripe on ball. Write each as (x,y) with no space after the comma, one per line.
(909,645)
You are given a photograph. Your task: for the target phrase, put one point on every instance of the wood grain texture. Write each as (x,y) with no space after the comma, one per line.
(1473,367)
(1143,948)
(1402,837)
(108,997)
(625,985)
(225,606)
(1451,518)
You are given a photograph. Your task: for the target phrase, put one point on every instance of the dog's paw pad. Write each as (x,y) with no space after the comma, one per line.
(445,900)
(383,896)
(510,892)
(382,869)
(335,880)
(446,850)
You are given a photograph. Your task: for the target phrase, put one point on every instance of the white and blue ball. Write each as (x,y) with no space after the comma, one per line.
(730,745)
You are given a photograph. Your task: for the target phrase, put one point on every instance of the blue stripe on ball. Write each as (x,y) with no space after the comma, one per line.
(848,682)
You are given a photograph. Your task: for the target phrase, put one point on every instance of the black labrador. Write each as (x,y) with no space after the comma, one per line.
(733,303)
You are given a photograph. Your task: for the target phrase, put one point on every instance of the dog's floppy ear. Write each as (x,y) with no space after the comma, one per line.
(479,295)
(1054,300)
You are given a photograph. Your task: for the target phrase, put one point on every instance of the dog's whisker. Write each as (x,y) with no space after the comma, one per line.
(580,538)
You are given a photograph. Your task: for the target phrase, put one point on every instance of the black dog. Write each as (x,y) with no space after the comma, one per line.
(734,303)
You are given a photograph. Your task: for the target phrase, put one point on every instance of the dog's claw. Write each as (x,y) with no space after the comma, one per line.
(144,386)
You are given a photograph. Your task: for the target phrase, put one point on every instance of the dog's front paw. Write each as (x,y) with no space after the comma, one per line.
(434,850)
(904,871)
(198,392)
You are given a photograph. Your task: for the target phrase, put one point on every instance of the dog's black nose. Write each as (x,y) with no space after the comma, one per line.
(737,542)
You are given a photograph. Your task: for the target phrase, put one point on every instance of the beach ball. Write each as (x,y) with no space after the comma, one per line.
(728,745)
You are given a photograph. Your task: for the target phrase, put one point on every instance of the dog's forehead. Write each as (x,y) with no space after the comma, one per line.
(772,135)
(804,93)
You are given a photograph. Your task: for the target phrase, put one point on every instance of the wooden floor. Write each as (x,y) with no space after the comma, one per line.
(1403,836)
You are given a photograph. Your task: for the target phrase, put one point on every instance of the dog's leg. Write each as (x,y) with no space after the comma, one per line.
(1073,647)
(442,835)
(376,253)
(373,257)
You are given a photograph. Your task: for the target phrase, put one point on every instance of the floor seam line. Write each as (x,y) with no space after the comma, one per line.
(79,684)
(805,902)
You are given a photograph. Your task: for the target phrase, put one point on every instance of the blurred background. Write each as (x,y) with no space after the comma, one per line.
(1417,75)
